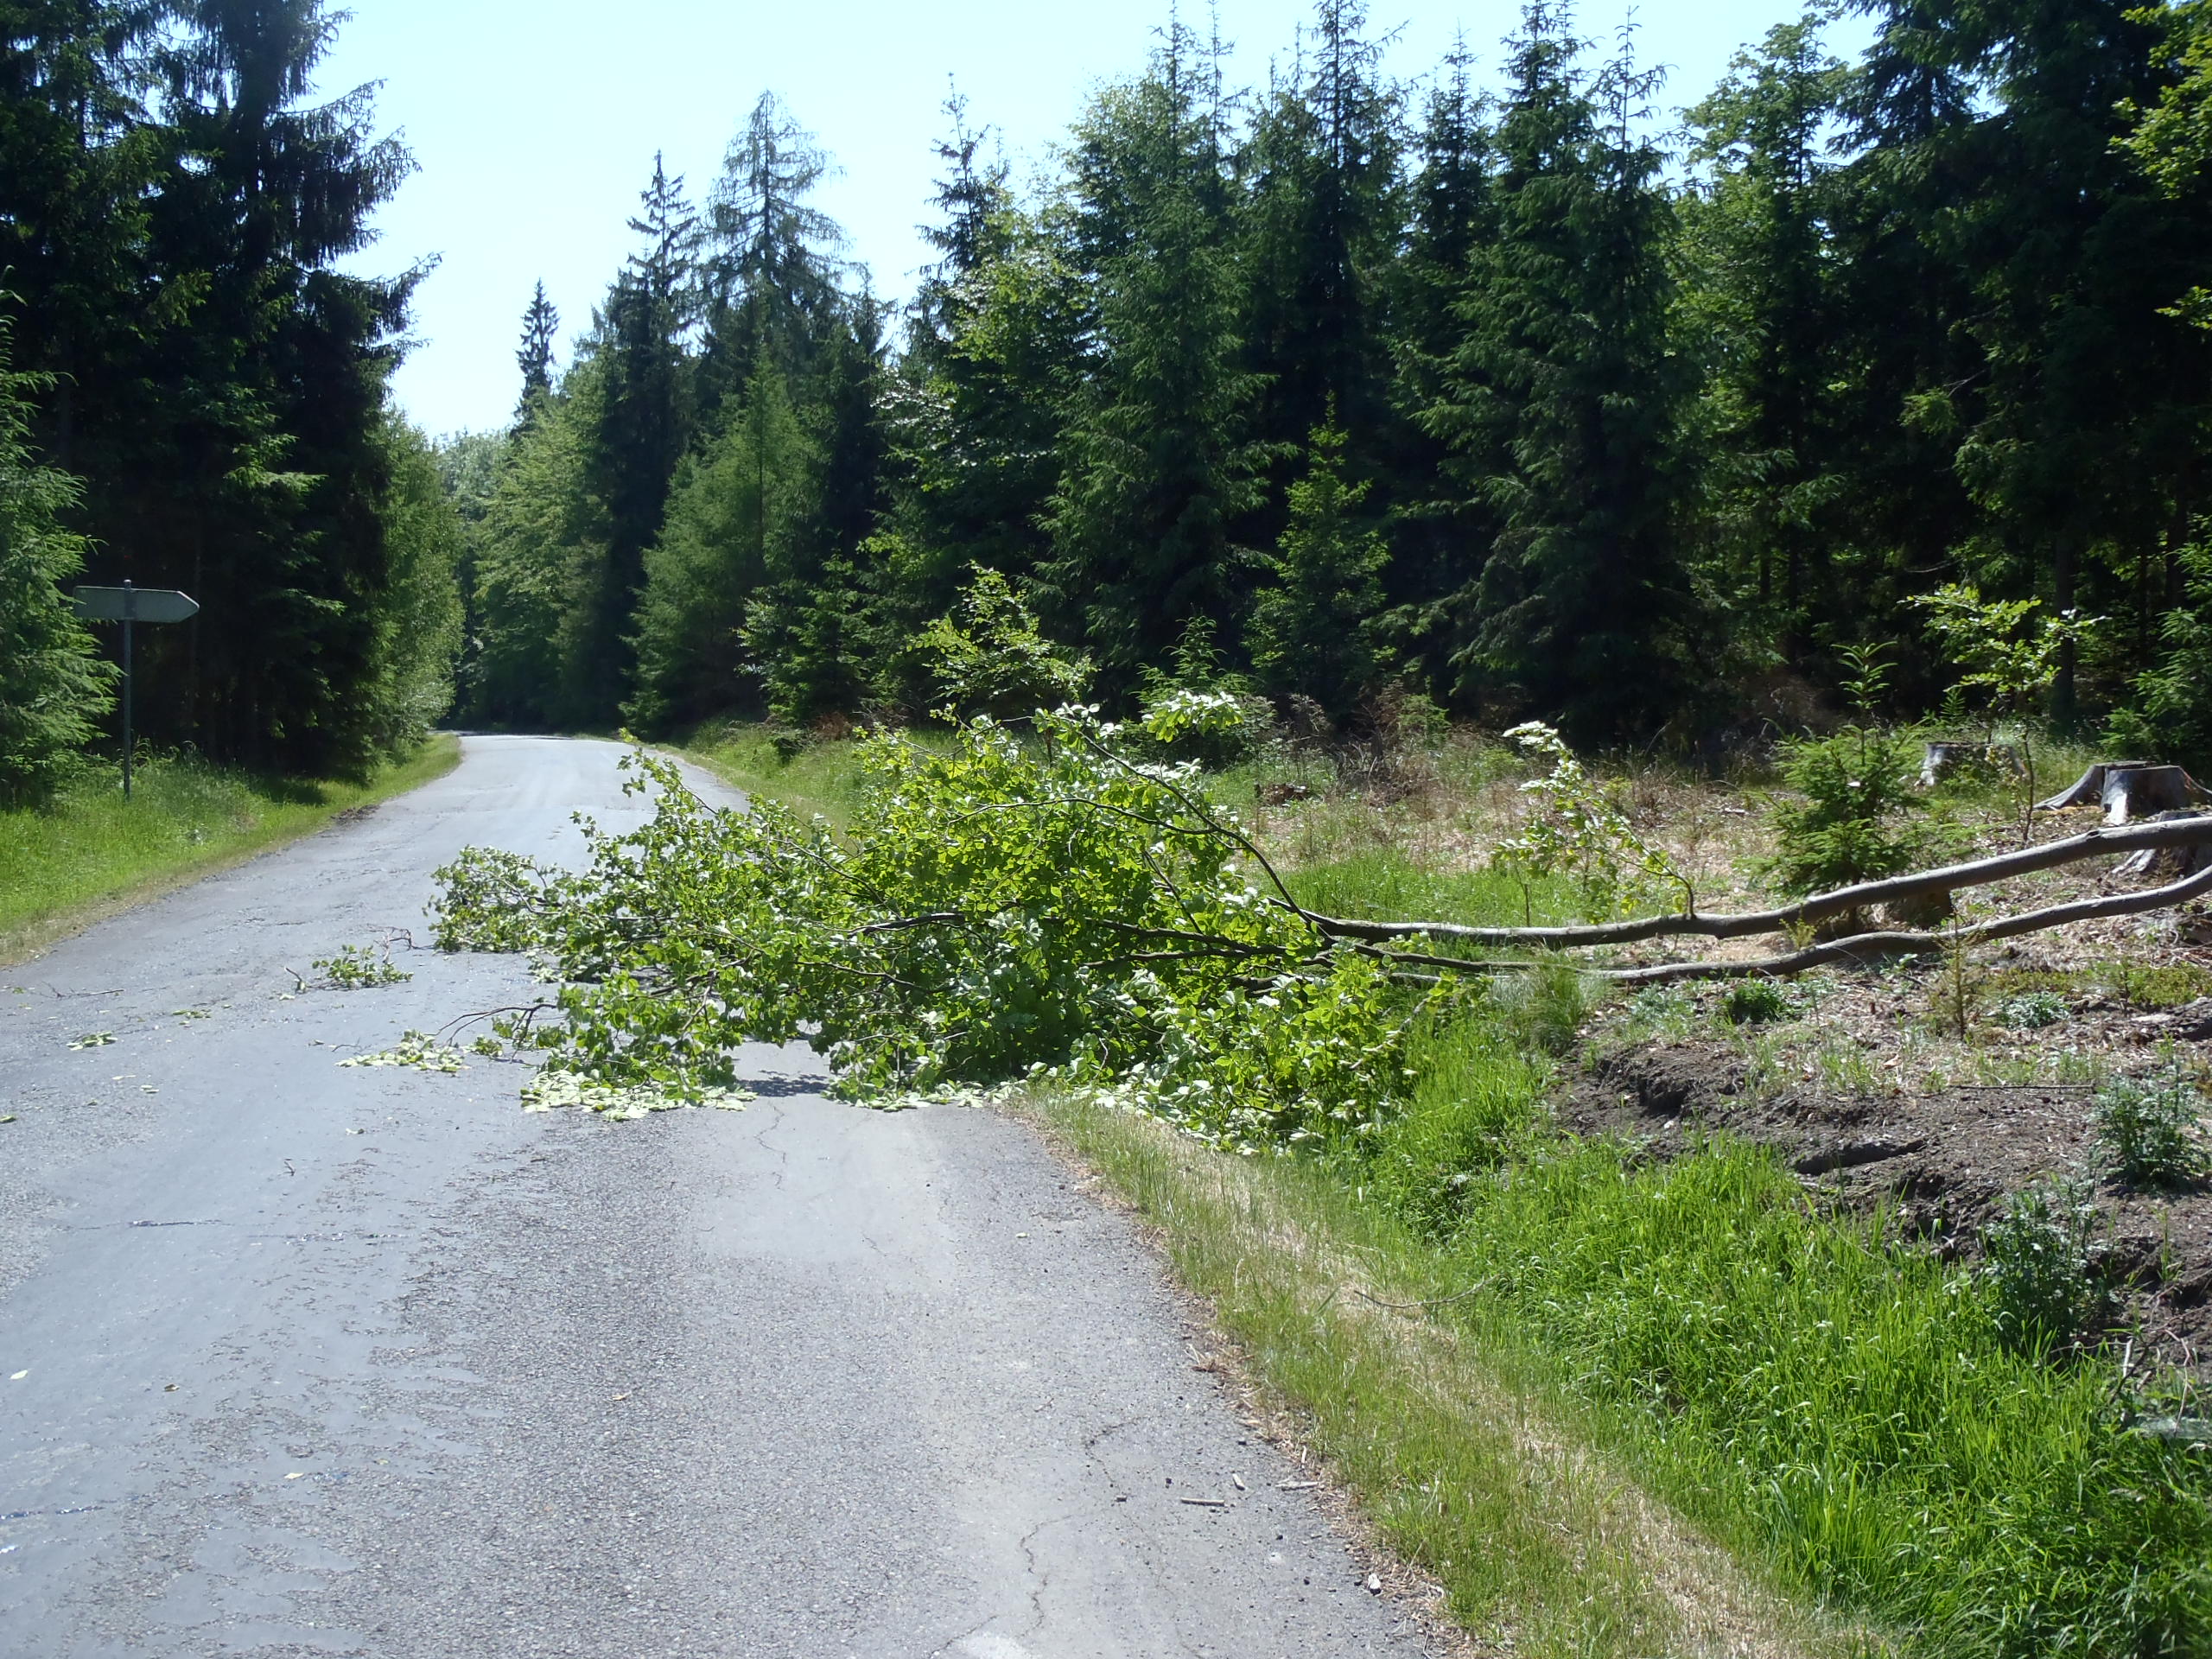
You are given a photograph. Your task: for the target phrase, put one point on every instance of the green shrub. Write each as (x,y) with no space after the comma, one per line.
(1850,822)
(2040,1258)
(2150,1130)
(2031,1010)
(1754,1001)
(1543,1009)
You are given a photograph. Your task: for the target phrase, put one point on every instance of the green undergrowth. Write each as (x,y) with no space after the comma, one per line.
(819,777)
(92,852)
(1387,886)
(1848,1412)
(2136,984)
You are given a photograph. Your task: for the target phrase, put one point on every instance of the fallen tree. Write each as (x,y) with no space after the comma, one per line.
(1055,904)
(1803,913)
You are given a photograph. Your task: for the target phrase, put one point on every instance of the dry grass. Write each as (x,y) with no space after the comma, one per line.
(1502,1515)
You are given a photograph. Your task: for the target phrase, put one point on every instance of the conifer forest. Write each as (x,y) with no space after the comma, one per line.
(1519,391)
(1528,400)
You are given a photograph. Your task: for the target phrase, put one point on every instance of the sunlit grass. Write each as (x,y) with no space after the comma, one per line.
(93,851)
(1600,1365)
(1469,1460)
(1384,885)
(822,776)
(1842,1408)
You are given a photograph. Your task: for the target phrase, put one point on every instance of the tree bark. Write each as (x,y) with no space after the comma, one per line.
(2193,831)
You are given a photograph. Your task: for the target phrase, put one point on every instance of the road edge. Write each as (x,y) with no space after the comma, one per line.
(34,939)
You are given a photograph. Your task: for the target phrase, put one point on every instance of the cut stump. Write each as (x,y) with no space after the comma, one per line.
(2170,861)
(2130,789)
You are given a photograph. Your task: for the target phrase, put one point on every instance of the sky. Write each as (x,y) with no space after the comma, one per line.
(534,124)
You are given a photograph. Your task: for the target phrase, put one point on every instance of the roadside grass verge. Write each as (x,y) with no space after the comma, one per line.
(817,777)
(92,853)
(1845,1408)
(1461,1458)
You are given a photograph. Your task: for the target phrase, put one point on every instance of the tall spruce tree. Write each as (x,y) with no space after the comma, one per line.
(737,512)
(1321,218)
(541,328)
(980,398)
(1434,522)
(2092,414)
(772,267)
(1160,464)
(54,687)
(1312,632)
(1564,399)
(645,426)
(808,631)
(1761,252)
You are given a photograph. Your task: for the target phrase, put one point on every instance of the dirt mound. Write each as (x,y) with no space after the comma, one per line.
(1941,1162)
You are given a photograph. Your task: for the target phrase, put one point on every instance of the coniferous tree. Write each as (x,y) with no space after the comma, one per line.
(1321,220)
(645,426)
(540,327)
(732,520)
(805,630)
(1897,289)
(1564,399)
(771,271)
(1434,525)
(1312,633)
(1158,463)
(54,686)
(2089,420)
(1760,245)
(979,400)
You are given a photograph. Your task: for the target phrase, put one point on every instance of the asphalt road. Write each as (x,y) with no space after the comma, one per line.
(298,1359)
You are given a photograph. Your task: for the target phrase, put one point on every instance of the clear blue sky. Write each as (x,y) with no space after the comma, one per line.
(535,124)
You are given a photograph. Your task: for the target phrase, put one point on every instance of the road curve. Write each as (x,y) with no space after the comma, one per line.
(298,1359)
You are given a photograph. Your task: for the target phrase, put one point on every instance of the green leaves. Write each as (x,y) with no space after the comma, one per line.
(1578,829)
(1015,907)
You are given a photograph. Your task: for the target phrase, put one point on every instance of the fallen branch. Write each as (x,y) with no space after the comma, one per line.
(1876,947)
(2095,844)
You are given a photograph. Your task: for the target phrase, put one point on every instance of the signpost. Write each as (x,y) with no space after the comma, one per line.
(128,605)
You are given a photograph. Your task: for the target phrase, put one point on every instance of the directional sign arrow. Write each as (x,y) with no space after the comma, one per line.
(134,604)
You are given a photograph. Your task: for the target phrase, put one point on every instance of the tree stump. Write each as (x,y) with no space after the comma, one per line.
(2128,791)
(1944,758)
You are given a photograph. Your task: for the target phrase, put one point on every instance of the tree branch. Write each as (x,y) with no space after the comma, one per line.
(2095,844)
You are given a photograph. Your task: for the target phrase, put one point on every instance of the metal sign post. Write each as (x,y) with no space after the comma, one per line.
(128,605)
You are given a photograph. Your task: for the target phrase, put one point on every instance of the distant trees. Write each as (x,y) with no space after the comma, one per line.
(1488,394)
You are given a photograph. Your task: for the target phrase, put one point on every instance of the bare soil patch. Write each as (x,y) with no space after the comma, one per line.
(1938,1164)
